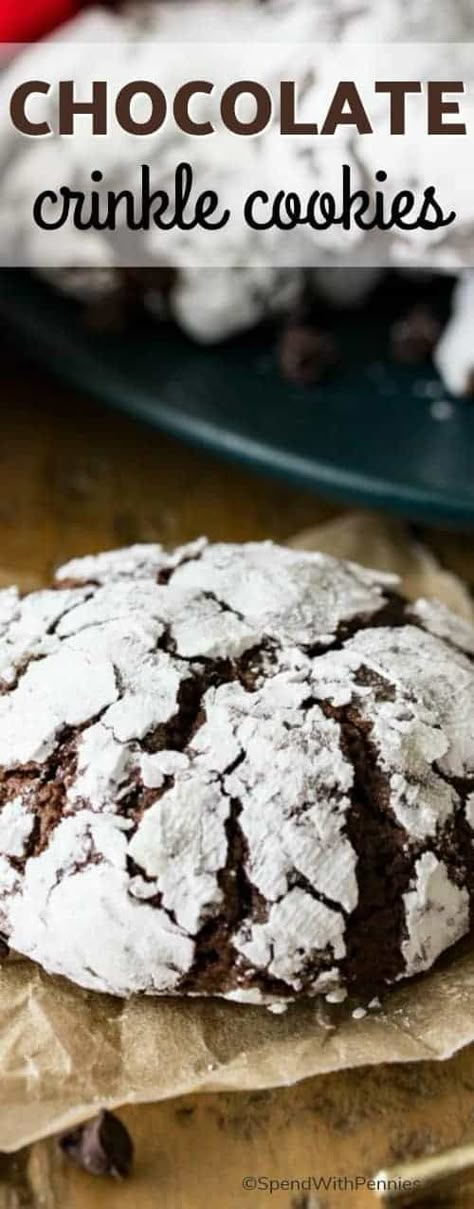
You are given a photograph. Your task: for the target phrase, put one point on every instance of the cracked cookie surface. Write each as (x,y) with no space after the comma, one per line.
(233,770)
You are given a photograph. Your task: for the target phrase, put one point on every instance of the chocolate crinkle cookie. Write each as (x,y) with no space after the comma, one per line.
(242,771)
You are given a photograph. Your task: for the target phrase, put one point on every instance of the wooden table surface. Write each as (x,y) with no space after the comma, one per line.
(76,478)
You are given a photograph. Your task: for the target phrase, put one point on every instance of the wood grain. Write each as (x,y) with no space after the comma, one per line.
(75,478)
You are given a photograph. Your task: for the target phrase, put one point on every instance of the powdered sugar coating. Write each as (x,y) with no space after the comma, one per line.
(75,915)
(292,784)
(297,929)
(439,620)
(142,561)
(16,825)
(299,600)
(437,914)
(181,842)
(195,747)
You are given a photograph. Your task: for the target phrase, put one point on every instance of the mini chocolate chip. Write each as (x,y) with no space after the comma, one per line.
(306,353)
(4,947)
(102,1146)
(414,336)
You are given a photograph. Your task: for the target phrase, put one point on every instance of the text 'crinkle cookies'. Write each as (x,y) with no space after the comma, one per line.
(233,770)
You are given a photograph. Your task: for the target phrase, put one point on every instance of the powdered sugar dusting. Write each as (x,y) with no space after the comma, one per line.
(181,841)
(436,912)
(298,929)
(16,825)
(26,625)
(66,688)
(292,783)
(290,595)
(139,561)
(439,620)
(178,787)
(115,944)
(420,706)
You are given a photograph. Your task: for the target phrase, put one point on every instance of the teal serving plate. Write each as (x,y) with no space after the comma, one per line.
(374,433)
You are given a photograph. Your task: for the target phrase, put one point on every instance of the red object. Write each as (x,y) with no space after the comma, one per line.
(27,20)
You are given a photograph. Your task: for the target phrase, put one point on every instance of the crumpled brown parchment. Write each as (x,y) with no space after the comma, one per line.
(65,1052)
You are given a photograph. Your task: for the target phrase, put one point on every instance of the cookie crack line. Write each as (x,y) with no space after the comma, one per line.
(391,612)
(52,629)
(266,816)
(383,870)
(464,786)
(7,686)
(224,606)
(296,878)
(214,941)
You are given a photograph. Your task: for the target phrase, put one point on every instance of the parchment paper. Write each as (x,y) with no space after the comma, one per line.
(65,1052)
